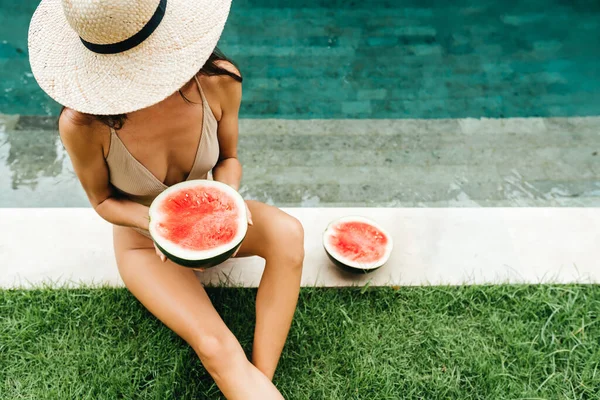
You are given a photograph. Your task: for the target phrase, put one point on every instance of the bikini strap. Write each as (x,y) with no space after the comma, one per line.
(207,108)
(200,88)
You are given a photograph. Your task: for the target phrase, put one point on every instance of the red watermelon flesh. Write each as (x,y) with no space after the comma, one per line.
(358,242)
(199,218)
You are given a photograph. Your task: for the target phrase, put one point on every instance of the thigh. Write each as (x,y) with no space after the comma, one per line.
(273,231)
(170,292)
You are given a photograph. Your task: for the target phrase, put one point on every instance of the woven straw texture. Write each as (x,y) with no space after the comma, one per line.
(103,84)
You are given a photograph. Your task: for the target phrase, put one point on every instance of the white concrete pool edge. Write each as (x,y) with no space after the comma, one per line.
(433,246)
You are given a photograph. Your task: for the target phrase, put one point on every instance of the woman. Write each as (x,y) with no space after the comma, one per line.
(149,103)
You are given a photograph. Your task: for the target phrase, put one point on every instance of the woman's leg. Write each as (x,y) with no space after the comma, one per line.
(176,297)
(279,239)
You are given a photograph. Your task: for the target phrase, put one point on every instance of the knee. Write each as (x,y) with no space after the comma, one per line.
(218,353)
(291,242)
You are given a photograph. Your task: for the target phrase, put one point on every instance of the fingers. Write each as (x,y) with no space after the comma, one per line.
(249,214)
(160,255)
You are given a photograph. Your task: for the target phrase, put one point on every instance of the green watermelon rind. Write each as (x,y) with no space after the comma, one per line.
(204,263)
(201,262)
(349,268)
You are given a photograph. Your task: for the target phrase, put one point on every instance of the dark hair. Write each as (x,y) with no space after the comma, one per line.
(210,68)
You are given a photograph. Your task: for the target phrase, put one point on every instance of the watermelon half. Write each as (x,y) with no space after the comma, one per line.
(198,223)
(357,244)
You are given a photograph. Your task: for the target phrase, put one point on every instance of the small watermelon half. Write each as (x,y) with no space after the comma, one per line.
(198,223)
(357,244)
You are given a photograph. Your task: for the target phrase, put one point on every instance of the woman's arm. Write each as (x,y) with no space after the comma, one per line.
(228,169)
(84,144)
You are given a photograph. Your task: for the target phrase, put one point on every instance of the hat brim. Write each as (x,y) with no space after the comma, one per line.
(106,84)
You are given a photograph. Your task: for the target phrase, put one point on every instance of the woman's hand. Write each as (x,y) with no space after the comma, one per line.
(248,215)
(159,253)
(163,258)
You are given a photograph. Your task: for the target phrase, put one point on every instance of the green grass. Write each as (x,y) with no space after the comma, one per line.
(501,342)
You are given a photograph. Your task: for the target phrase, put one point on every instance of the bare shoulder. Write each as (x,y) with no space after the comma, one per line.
(81,132)
(71,123)
(225,88)
(226,65)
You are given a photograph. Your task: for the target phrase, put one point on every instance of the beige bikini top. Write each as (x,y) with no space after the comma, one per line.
(135,182)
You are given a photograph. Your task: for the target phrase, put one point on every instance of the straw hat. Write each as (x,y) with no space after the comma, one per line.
(116,56)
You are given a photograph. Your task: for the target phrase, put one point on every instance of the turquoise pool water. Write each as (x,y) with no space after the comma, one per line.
(383,62)
(383,59)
